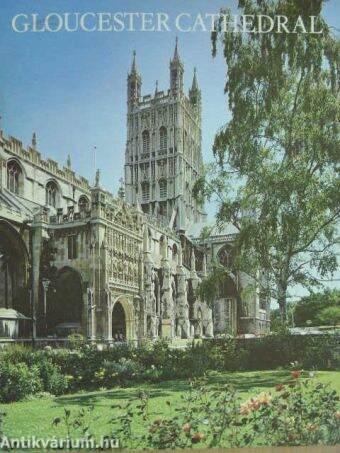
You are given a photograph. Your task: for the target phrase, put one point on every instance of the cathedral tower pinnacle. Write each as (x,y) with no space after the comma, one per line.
(134,82)
(195,92)
(163,156)
(176,73)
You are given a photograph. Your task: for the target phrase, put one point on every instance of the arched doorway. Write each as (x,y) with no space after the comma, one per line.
(199,324)
(118,322)
(122,318)
(65,304)
(13,270)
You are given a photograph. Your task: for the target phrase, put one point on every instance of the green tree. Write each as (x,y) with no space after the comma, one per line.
(308,308)
(330,316)
(275,174)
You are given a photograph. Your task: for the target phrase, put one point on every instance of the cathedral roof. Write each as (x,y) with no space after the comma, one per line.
(195,229)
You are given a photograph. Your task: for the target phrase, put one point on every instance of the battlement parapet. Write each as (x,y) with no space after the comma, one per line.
(15,147)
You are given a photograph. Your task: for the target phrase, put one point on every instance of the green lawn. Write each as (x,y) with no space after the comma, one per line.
(34,417)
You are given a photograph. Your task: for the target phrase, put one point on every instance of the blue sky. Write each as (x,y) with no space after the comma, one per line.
(70,88)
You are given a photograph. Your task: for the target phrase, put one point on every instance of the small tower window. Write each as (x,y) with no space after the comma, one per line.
(145,191)
(163,138)
(72,247)
(14,175)
(51,194)
(83,204)
(163,188)
(146,142)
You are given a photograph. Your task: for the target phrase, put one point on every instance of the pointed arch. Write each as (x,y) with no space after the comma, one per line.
(14,262)
(83,203)
(146,141)
(52,193)
(124,308)
(163,138)
(15,177)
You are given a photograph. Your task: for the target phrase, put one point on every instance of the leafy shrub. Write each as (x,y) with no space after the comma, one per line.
(76,341)
(17,353)
(87,368)
(124,370)
(279,350)
(52,378)
(17,381)
(302,413)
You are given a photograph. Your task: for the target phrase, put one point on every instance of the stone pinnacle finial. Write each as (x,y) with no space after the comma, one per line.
(34,140)
(176,54)
(156,87)
(134,64)
(176,57)
(194,81)
(121,191)
(69,162)
(97,178)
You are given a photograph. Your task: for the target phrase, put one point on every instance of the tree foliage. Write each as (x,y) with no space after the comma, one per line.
(307,310)
(276,169)
(330,316)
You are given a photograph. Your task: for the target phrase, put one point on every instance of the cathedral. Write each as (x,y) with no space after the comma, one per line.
(76,259)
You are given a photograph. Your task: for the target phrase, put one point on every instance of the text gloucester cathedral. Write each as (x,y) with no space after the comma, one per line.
(74,258)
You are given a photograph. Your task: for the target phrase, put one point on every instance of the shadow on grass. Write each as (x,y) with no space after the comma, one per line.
(244,382)
(104,397)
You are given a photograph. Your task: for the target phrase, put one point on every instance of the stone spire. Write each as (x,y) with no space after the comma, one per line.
(176,53)
(34,140)
(176,73)
(134,70)
(69,162)
(194,86)
(195,92)
(134,83)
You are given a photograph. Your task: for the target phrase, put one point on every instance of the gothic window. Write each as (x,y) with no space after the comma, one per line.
(163,188)
(83,204)
(14,175)
(72,247)
(51,194)
(145,191)
(225,256)
(146,142)
(163,138)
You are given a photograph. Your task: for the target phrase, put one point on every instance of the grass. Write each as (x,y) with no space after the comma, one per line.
(34,417)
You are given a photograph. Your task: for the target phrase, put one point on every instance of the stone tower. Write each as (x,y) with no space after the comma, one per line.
(163,149)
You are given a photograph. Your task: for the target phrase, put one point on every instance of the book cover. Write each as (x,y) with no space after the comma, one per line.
(169,225)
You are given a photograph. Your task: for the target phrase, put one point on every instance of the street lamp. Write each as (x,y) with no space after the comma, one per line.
(45,283)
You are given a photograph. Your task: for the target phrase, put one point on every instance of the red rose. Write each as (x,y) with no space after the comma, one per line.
(197,437)
(296,374)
